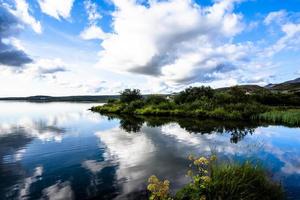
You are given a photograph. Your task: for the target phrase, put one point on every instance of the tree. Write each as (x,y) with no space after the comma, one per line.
(192,94)
(129,95)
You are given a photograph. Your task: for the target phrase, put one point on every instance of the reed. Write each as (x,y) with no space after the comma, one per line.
(289,117)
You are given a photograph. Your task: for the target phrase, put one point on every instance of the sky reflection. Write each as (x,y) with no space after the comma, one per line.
(62,151)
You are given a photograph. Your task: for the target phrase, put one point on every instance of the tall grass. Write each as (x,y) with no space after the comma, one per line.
(290,117)
(211,180)
(242,181)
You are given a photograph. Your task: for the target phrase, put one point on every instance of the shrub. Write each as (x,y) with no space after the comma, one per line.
(112,101)
(193,93)
(212,181)
(155,99)
(222,98)
(129,95)
(133,105)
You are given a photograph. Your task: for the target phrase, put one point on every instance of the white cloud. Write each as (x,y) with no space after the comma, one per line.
(93,32)
(277,17)
(91,9)
(289,41)
(45,67)
(56,8)
(174,40)
(22,12)
(59,191)
(25,187)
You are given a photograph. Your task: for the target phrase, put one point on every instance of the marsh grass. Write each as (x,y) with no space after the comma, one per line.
(289,117)
(242,181)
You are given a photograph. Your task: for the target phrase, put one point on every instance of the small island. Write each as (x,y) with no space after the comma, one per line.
(234,103)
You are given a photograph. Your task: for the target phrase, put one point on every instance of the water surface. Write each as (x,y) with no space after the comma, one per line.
(64,151)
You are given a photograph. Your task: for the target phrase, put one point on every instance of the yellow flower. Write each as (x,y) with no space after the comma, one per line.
(153,179)
(213,158)
(205,179)
(201,161)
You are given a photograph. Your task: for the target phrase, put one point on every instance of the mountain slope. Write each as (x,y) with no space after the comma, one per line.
(288,86)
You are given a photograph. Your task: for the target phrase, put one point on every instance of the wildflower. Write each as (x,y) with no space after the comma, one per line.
(159,189)
(205,179)
(213,158)
(201,161)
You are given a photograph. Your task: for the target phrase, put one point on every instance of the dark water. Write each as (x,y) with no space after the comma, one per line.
(63,151)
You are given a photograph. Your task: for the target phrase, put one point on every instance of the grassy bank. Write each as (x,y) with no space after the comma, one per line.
(204,102)
(289,117)
(212,180)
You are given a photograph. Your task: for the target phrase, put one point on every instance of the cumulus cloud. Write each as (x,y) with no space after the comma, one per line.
(176,40)
(22,12)
(92,31)
(10,55)
(56,8)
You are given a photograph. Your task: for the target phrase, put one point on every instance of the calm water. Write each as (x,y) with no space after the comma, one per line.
(64,151)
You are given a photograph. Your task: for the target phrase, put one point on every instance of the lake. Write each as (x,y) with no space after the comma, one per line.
(65,151)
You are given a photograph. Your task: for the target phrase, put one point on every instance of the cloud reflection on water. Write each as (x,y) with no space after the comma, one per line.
(80,154)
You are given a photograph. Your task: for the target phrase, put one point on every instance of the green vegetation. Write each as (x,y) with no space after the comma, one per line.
(289,117)
(211,180)
(203,102)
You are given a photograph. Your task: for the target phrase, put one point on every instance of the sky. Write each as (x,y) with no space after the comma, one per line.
(98,47)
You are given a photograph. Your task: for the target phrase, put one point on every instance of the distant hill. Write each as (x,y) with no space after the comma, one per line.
(288,86)
(100,99)
(245,88)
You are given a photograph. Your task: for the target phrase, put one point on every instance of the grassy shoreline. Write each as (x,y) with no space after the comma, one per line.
(288,117)
(205,103)
(210,179)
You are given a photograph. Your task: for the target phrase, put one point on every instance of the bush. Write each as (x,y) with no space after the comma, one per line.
(238,94)
(155,99)
(133,105)
(194,93)
(212,181)
(112,101)
(129,95)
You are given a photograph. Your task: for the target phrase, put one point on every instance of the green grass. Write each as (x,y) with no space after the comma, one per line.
(213,180)
(290,117)
(240,111)
(235,182)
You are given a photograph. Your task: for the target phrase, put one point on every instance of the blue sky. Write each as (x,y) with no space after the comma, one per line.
(73,47)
